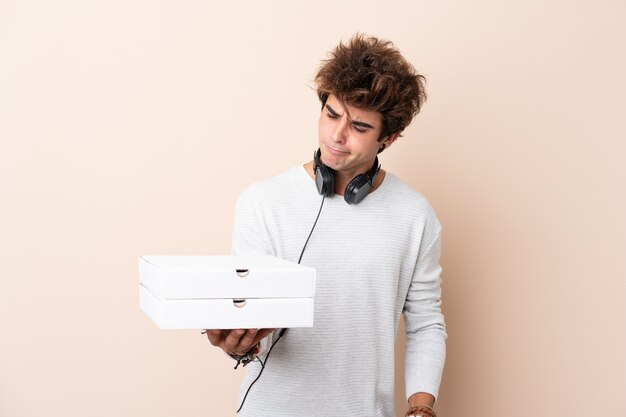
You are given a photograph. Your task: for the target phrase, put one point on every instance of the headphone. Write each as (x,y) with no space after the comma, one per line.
(356,190)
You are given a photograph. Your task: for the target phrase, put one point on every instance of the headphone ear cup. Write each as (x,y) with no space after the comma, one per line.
(325,180)
(357,189)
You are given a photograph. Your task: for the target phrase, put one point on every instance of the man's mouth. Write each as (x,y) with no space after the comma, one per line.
(336,151)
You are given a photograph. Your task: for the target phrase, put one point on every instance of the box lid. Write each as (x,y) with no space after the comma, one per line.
(201,277)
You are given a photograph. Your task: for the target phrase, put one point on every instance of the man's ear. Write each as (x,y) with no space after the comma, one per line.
(388,141)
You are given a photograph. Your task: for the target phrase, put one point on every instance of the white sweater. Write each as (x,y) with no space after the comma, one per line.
(374,261)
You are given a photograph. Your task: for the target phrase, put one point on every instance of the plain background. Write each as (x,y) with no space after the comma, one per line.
(130,128)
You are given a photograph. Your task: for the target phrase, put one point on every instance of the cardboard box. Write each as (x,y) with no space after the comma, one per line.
(226,292)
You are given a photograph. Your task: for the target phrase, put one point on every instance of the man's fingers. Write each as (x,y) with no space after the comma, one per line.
(236,340)
(247,340)
(231,341)
(215,336)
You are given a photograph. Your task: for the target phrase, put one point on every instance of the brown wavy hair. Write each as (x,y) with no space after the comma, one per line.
(370,73)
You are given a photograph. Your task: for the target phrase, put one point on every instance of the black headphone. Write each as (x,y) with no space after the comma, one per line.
(356,190)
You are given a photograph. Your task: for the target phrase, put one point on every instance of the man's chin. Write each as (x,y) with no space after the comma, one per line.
(331,162)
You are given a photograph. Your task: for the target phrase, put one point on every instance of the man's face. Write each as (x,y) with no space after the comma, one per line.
(348,137)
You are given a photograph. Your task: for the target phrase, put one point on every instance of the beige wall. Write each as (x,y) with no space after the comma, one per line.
(130,127)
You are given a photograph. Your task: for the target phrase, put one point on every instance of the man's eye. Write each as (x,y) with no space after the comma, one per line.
(359,129)
(332,116)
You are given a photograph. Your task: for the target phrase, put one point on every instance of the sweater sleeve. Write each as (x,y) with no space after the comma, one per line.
(424,322)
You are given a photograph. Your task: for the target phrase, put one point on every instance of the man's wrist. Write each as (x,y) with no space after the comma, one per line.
(246,357)
(421,410)
(421,398)
(421,405)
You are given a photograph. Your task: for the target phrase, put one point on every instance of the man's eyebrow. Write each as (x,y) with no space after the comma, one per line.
(331,110)
(361,124)
(353,122)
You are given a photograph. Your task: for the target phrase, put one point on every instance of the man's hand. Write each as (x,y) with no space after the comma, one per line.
(237,341)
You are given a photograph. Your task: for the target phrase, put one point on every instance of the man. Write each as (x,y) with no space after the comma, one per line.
(376,252)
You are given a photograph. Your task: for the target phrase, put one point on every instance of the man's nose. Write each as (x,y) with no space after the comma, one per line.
(341,130)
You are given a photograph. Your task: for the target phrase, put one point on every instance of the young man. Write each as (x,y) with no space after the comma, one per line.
(376,252)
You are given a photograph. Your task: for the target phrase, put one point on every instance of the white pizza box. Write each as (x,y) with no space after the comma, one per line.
(226,292)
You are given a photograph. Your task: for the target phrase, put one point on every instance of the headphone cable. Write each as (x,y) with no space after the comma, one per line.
(313,228)
(282,332)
